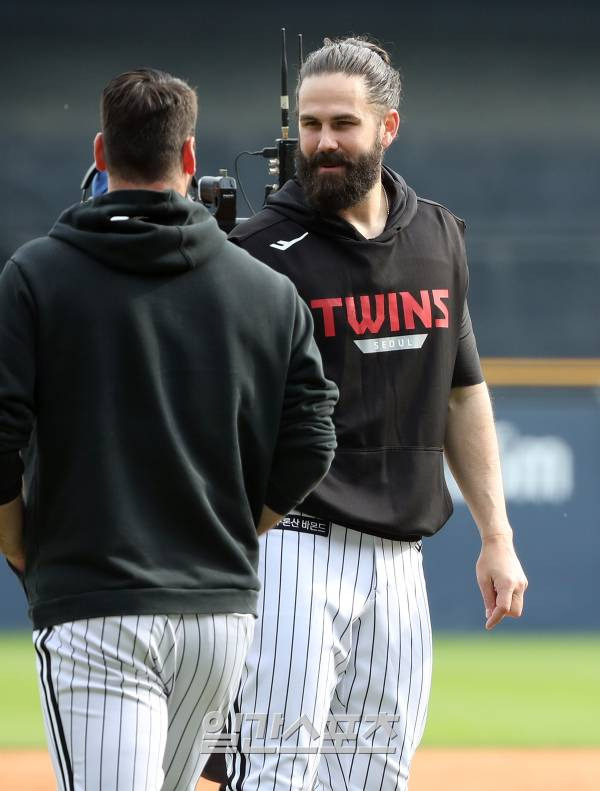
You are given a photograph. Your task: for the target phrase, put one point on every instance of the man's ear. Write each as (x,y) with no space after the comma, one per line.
(188,156)
(99,159)
(391,124)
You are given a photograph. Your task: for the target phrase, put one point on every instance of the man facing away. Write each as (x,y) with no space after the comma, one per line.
(175,401)
(343,642)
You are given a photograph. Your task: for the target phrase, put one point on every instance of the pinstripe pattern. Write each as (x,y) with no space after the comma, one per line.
(344,630)
(61,759)
(124,697)
(391,662)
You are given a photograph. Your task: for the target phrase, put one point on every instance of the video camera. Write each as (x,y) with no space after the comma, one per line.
(219,193)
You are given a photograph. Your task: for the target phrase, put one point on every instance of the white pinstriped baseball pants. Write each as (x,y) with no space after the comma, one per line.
(124,697)
(343,632)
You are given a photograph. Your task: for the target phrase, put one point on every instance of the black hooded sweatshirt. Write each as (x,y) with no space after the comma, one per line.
(171,386)
(392,324)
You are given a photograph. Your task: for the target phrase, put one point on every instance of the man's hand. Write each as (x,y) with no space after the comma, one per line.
(268,519)
(501,579)
(18,562)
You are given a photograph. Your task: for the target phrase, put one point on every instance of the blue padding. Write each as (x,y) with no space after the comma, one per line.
(99,183)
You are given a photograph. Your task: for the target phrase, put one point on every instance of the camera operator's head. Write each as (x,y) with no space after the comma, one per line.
(148,124)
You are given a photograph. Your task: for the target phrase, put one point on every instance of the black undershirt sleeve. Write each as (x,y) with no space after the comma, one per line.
(467,367)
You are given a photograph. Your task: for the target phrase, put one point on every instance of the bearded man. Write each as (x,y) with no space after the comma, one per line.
(340,667)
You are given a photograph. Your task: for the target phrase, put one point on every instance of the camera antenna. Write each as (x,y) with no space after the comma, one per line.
(281,156)
(285,99)
(300,52)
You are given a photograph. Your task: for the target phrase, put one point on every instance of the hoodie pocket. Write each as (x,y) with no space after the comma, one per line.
(397,492)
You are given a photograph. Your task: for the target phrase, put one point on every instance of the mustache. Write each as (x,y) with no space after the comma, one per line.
(324,158)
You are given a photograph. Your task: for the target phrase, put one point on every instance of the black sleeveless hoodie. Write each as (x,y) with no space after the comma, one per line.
(393,328)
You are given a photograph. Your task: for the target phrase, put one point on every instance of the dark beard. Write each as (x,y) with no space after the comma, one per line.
(328,193)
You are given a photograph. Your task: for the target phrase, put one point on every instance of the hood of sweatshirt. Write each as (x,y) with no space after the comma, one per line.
(290,202)
(144,232)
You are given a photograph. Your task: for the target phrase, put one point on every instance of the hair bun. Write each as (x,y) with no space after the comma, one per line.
(364,42)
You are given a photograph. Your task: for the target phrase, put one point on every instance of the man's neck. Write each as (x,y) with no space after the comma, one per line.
(115,183)
(369,217)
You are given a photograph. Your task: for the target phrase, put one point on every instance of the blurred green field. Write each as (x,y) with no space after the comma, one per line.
(488,690)
(21,720)
(515,691)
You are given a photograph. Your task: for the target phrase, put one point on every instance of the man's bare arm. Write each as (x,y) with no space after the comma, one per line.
(471,448)
(11,533)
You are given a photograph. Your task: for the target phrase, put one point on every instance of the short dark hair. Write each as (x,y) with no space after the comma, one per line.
(146,117)
(357,56)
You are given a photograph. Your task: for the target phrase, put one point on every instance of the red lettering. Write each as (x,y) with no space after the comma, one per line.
(367,322)
(393,311)
(372,315)
(412,308)
(327,306)
(438,295)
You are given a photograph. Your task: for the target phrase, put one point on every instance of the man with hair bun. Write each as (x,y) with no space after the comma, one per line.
(340,664)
